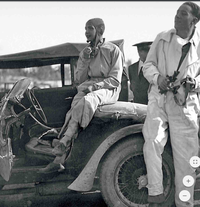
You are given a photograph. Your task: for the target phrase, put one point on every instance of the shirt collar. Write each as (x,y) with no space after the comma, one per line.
(140,65)
(101,41)
(195,38)
(167,36)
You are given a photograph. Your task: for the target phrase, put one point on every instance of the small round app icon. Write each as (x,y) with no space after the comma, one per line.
(184,195)
(195,161)
(188,181)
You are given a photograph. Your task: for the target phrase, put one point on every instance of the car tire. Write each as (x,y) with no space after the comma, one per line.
(123,175)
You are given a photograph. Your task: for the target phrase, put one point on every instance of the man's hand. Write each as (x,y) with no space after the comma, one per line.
(162,83)
(86,52)
(89,89)
(190,81)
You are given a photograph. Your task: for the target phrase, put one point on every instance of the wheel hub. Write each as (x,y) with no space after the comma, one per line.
(142,181)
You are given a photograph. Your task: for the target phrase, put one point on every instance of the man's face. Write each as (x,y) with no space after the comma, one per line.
(142,54)
(184,18)
(90,32)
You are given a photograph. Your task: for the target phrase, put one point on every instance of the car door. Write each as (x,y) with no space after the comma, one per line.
(55,103)
(56,100)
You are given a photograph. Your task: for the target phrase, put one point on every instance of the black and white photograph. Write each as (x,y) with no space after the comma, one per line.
(100,104)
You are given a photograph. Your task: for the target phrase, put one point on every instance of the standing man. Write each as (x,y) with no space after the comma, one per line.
(173,70)
(99,74)
(138,83)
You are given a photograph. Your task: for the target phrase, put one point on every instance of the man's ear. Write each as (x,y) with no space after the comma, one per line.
(195,20)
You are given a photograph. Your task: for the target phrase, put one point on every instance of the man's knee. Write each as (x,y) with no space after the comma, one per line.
(92,99)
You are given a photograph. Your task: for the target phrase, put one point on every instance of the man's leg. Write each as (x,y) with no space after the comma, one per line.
(184,141)
(155,135)
(81,114)
(75,101)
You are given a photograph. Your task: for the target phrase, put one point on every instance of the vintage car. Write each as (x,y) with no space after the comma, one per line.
(106,156)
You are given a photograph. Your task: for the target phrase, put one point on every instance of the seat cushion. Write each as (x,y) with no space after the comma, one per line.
(122,110)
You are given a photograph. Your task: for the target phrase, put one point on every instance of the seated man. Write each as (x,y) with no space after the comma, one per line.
(99,74)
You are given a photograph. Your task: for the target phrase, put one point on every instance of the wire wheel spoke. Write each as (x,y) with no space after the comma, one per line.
(127,175)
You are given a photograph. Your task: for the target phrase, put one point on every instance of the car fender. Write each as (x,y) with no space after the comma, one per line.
(84,182)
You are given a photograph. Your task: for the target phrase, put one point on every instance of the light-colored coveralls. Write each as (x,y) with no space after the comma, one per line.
(104,70)
(163,113)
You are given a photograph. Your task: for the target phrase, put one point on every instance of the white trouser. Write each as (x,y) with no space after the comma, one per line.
(84,106)
(183,128)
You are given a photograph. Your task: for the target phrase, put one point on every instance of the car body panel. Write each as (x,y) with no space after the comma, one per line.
(85,180)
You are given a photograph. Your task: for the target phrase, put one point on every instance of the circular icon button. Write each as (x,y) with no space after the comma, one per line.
(184,195)
(195,161)
(188,181)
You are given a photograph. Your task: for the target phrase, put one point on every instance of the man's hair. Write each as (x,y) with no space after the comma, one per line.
(195,9)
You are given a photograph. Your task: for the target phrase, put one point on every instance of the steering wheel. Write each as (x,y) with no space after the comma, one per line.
(36,105)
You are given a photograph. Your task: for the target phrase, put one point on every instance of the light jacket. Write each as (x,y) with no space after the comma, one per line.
(107,66)
(160,61)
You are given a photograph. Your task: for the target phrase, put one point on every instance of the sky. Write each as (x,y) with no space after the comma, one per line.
(30,25)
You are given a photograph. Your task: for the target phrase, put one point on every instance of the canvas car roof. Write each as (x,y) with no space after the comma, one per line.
(46,56)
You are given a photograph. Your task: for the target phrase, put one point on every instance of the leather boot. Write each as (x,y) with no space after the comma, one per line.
(156,201)
(60,149)
(51,168)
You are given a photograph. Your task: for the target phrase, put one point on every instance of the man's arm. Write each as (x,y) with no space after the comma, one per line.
(150,69)
(82,68)
(115,74)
